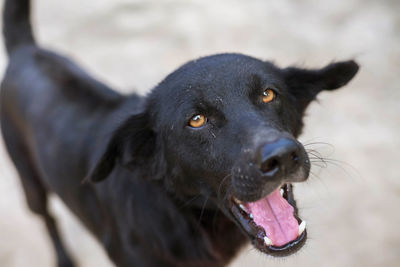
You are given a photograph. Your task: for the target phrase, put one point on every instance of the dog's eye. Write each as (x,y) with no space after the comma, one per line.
(268,95)
(197,121)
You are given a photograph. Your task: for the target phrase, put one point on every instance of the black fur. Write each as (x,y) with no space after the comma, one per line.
(162,199)
(17,30)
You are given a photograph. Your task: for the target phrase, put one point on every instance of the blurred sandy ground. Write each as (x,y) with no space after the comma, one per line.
(352,207)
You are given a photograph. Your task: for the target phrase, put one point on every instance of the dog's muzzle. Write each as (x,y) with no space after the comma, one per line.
(262,198)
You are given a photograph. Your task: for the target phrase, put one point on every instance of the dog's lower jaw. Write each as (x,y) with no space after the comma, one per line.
(288,238)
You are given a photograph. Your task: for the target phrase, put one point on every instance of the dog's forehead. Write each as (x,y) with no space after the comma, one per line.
(216,80)
(226,73)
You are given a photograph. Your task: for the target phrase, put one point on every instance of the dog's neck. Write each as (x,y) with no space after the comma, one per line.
(226,237)
(215,239)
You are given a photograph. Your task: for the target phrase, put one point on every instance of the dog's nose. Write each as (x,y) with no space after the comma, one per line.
(282,155)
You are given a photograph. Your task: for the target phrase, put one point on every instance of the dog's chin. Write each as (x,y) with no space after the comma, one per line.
(271,223)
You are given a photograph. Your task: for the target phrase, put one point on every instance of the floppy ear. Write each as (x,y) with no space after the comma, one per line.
(305,84)
(132,141)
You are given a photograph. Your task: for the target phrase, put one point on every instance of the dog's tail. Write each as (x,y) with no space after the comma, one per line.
(17,28)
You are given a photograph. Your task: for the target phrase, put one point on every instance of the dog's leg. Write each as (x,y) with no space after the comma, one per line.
(35,192)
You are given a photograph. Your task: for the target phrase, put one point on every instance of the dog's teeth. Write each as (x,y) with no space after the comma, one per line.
(251,215)
(281,191)
(302,227)
(237,201)
(243,208)
(268,241)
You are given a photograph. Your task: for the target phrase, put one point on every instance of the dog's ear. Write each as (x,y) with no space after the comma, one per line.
(131,142)
(305,84)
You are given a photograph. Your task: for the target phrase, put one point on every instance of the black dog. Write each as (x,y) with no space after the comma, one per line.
(192,172)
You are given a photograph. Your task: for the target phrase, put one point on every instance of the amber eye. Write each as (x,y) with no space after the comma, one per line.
(268,95)
(197,121)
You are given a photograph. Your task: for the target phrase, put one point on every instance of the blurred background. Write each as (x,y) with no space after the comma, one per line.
(352,206)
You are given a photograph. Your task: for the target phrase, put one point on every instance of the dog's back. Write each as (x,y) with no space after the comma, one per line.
(47,99)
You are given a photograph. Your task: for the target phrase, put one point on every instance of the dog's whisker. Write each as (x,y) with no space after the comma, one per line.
(222,201)
(313,174)
(221,183)
(316,156)
(314,153)
(322,166)
(319,144)
(187,202)
(341,165)
(202,211)
(316,159)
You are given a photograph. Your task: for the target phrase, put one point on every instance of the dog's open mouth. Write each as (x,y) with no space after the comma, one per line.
(271,222)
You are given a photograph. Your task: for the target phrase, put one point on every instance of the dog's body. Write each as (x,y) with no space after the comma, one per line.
(60,126)
(107,209)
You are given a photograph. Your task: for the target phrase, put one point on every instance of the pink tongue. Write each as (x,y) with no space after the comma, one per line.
(275,215)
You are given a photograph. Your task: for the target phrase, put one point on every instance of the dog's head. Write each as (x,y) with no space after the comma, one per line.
(225,127)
